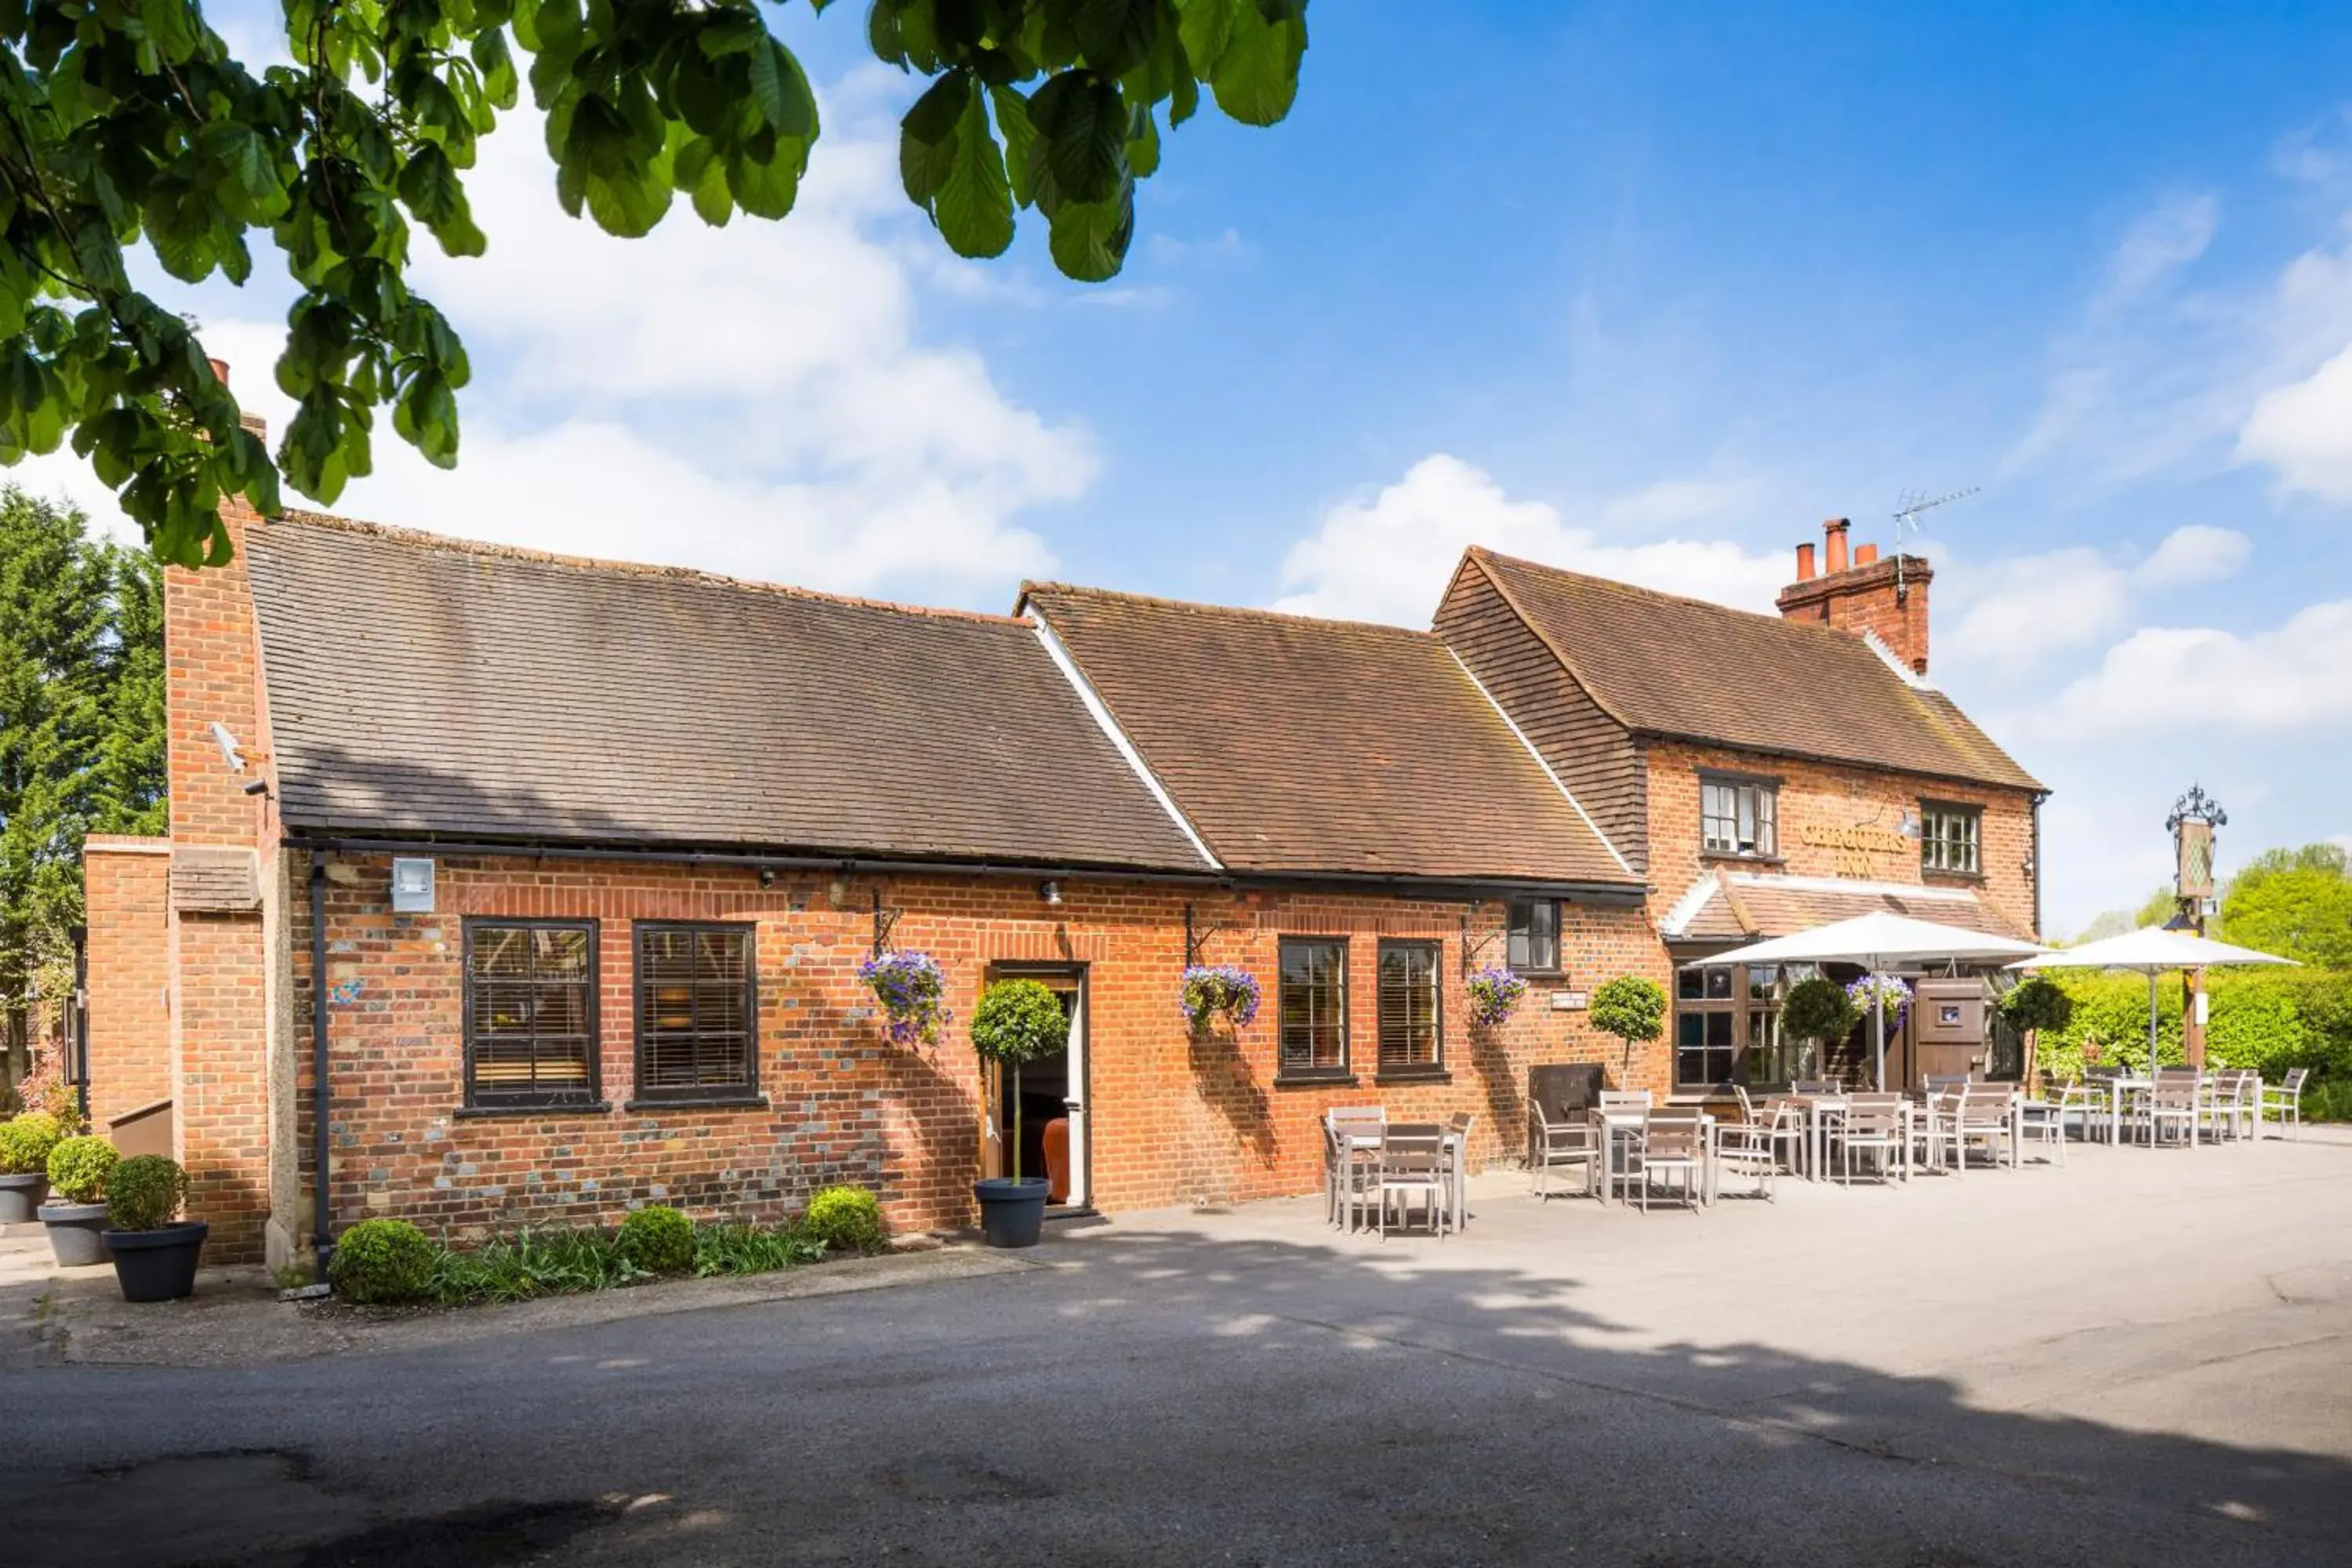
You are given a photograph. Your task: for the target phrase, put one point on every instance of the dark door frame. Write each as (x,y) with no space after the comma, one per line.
(1081,971)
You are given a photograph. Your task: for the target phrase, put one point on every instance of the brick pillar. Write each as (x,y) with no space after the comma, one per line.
(123,883)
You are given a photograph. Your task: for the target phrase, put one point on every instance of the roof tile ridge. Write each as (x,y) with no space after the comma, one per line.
(1503,589)
(1249,612)
(1737,905)
(1616,584)
(424,538)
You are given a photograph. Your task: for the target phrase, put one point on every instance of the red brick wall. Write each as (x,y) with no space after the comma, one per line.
(1869,598)
(211,676)
(1823,796)
(123,883)
(1173,1119)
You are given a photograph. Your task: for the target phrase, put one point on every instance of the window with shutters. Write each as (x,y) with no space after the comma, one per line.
(1410,1037)
(1313,1008)
(697,1028)
(531,1013)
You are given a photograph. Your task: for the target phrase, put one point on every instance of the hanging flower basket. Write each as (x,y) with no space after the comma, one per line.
(1890,995)
(912,992)
(1218,991)
(1495,994)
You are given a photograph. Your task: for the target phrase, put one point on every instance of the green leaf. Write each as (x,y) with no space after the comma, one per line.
(1143,147)
(1089,239)
(926,137)
(783,92)
(1204,26)
(1256,78)
(973,209)
(767,187)
(1081,126)
(1116,35)
(1020,140)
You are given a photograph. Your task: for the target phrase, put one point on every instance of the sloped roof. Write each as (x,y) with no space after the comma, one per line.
(1294,744)
(1663,665)
(418,684)
(1733,906)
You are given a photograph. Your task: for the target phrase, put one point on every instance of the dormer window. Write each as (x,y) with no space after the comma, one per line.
(1736,816)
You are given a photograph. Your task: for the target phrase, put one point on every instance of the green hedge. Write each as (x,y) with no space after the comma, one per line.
(2269,1020)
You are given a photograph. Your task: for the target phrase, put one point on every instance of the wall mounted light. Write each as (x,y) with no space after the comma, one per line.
(1050,891)
(258,787)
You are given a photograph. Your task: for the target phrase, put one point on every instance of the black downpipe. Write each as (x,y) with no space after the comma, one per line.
(321,1243)
(78,1022)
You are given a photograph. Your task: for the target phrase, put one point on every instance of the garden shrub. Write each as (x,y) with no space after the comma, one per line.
(846,1219)
(145,1192)
(78,1168)
(25,1141)
(750,1249)
(659,1239)
(382,1261)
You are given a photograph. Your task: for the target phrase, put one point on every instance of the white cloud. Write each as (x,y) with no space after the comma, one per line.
(2197,552)
(2304,429)
(1387,559)
(2164,240)
(2200,680)
(757,400)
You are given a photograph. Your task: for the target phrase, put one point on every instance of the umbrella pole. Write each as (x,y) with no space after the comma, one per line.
(2151,1026)
(1878,1028)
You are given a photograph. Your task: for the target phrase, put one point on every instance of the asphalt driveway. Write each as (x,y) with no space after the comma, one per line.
(2139,1359)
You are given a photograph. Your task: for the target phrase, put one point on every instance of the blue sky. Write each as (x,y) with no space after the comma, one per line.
(1644,291)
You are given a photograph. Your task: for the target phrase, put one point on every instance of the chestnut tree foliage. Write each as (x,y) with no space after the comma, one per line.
(125,122)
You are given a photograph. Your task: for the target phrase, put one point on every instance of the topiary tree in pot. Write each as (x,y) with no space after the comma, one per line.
(1017,1021)
(1631,1008)
(2032,1006)
(1819,1014)
(79,1169)
(156,1252)
(25,1145)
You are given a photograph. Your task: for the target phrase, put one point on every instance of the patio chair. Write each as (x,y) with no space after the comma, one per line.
(1817,1086)
(1980,1117)
(2043,1120)
(1936,1130)
(2171,1104)
(1623,1100)
(1554,1145)
(2221,1105)
(1752,1148)
(1874,1126)
(1412,1161)
(1934,1080)
(1348,1163)
(2285,1100)
(1674,1142)
(1457,1159)
(2099,1093)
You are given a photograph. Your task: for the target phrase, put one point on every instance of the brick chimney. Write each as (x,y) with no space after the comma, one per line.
(1886,594)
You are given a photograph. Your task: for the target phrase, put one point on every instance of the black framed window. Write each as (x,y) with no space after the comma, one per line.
(1728,1026)
(531,1013)
(1314,1005)
(1738,816)
(1533,945)
(1949,837)
(1409,1008)
(698,1024)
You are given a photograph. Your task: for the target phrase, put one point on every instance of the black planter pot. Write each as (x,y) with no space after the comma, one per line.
(1011,1211)
(157,1265)
(74,1233)
(19,1195)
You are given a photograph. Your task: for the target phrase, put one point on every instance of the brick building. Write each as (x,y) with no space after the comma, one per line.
(581,859)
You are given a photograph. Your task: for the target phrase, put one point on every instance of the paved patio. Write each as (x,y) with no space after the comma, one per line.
(2141,1358)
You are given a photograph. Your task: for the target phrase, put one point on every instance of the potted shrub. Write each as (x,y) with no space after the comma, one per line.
(1017,1021)
(155,1251)
(1818,1013)
(79,1169)
(2035,1007)
(25,1145)
(1631,1008)
(1214,991)
(912,991)
(1495,995)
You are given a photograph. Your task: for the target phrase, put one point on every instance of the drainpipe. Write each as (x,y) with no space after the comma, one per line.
(322,1244)
(78,1022)
(2039,935)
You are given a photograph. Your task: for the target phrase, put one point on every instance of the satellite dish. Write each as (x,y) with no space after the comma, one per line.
(227,744)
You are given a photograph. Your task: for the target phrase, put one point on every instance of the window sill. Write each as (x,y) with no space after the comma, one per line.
(1931,874)
(1315,1078)
(1733,858)
(1413,1076)
(699,1102)
(568,1107)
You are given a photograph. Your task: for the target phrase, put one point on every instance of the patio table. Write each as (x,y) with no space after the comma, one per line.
(2120,1088)
(1818,1108)
(1457,1163)
(1614,1124)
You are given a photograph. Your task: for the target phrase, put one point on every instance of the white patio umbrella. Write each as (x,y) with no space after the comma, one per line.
(2152,950)
(1877,941)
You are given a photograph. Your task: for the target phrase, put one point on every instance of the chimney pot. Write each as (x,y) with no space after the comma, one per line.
(1864,554)
(1804,564)
(1833,536)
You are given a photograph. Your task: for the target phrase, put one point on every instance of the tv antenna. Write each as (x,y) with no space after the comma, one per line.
(1908,508)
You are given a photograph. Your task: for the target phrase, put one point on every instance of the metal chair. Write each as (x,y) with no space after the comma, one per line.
(1752,1147)
(1936,1130)
(2043,1120)
(1349,1162)
(1412,1160)
(1817,1086)
(2221,1105)
(1982,1116)
(1553,1144)
(2285,1099)
(2171,1103)
(1674,1142)
(1873,1125)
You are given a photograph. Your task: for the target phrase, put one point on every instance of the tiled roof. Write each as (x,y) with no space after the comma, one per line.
(1663,665)
(1733,906)
(1301,745)
(425,684)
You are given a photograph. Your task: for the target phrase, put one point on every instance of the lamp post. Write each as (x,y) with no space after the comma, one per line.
(2194,817)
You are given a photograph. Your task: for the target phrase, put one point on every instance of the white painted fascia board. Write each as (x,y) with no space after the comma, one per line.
(1557,783)
(1101,713)
(1851,885)
(1902,672)
(1686,908)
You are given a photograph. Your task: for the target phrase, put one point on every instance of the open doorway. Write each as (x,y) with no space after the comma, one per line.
(1053,1109)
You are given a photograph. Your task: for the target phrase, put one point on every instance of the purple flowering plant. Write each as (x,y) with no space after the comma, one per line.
(912,991)
(1891,995)
(1495,995)
(1214,990)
